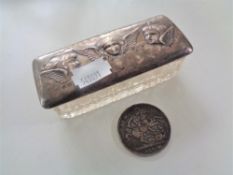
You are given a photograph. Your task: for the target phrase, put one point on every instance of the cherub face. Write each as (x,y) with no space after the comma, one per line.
(151,37)
(152,33)
(70,60)
(113,48)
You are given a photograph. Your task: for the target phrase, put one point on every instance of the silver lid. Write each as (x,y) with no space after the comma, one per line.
(106,59)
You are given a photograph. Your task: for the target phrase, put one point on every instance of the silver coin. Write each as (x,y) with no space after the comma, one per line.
(144,129)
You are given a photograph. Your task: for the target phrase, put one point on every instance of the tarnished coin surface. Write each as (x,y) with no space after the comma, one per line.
(144,129)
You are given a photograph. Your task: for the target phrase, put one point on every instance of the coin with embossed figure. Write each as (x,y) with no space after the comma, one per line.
(144,129)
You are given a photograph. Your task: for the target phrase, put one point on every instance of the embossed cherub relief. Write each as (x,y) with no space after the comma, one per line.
(158,34)
(56,75)
(113,49)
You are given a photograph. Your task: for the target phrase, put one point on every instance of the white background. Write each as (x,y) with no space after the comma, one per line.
(198,102)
